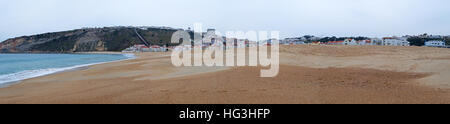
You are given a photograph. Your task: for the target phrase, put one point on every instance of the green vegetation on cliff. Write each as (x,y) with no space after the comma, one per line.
(89,39)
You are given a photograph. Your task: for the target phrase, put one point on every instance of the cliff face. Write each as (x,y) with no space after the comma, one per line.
(87,40)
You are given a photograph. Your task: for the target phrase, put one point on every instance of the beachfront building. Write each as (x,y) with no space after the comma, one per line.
(252,44)
(335,43)
(350,42)
(393,41)
(136,48)
(292,41)
(143,48)
(435,43)
(209,38)
(376,41)
(269,42)
(182,48)
(156,48)
(365,42)
(315,43)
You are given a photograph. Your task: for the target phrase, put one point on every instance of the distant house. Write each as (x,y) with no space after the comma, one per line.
(350,42)
(365,42)
(143,48)
(315,43)
(335,43)
(136,48)
(435,43)
(292,41)
(377,41)
(392,41)
(298,42)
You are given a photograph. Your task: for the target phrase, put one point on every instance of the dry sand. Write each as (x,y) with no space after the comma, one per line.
(308,74)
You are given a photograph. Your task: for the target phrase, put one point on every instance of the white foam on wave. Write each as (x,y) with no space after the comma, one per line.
(27,74)
(129,56)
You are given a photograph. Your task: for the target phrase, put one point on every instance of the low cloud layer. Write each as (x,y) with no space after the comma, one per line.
(373,18)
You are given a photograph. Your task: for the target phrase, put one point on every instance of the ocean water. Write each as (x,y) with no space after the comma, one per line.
(16,67)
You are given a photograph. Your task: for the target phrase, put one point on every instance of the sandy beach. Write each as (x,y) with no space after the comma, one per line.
(308,74)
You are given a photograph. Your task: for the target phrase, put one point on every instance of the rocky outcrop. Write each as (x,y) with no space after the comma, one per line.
(87,40)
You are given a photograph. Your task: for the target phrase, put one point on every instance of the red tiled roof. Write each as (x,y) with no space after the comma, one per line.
(155,46)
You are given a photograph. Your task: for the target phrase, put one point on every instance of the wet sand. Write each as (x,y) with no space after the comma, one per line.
(308,74)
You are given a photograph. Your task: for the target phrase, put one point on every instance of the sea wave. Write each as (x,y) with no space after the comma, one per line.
(27,74)
(129,56)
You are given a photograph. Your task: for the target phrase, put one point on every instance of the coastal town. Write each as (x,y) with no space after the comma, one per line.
(428,41)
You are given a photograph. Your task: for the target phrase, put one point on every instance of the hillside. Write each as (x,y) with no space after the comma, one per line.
(87,40)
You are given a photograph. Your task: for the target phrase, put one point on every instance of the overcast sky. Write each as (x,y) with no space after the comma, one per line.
(374,18)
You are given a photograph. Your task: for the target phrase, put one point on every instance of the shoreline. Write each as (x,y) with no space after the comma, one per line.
(129,56)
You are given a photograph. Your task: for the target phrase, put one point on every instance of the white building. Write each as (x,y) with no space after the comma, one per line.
(377,41)
(292,41)
(136,48)
(435,43)
(391,41)
(365,42)
(350,42)
(143,48)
